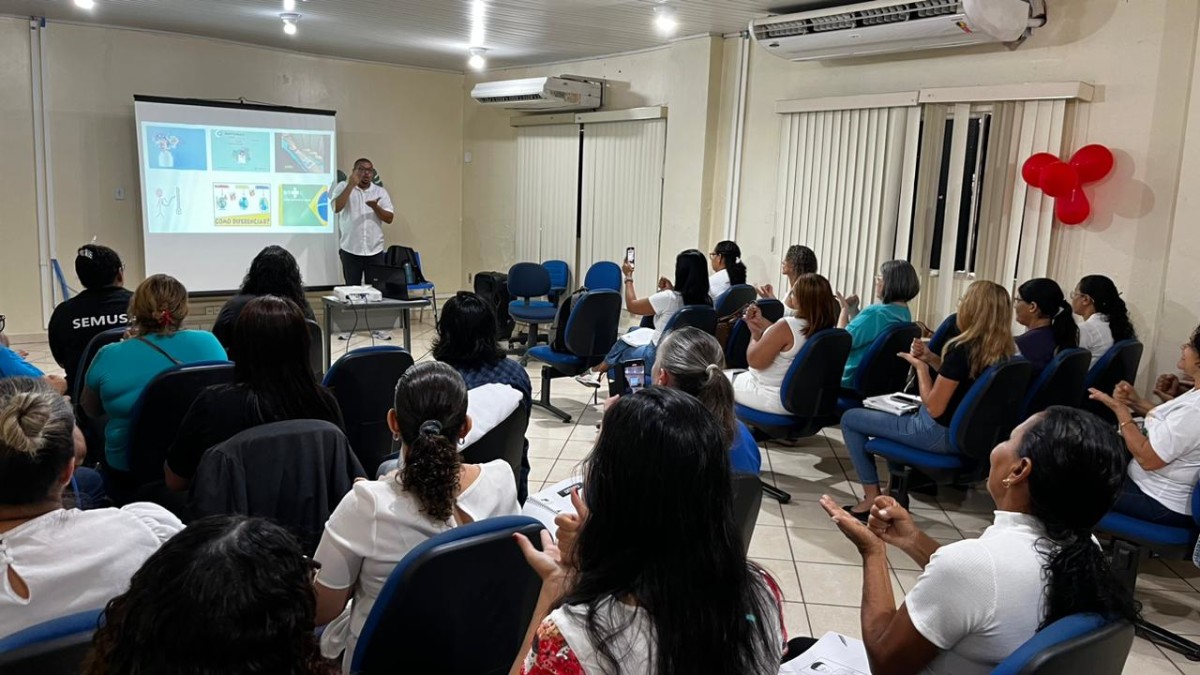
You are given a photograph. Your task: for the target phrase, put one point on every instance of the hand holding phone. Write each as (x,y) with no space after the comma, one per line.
(630,255)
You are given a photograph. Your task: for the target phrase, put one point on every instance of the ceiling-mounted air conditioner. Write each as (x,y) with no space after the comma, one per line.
(563,93)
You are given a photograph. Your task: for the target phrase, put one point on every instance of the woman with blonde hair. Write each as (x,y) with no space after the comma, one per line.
(985,338)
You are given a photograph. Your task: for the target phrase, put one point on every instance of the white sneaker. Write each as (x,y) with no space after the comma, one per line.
(589,379)
(380,335)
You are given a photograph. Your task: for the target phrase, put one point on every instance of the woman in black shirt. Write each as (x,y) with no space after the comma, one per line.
(273,382)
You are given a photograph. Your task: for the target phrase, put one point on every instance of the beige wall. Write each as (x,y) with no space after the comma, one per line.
(409,121)
(684,76)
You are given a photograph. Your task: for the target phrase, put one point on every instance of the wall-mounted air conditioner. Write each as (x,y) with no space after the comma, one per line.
(541,93)
(886,26)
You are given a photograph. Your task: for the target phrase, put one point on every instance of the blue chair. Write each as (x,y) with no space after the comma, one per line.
(426,289)
(604,275)
(458,603)
(51,647)
(1119,363)
(1080,643)
(1133,540)
(590,332)
(809,392)
(527,281)
(947,330)
(739,336)
(985,416)
(772,309)
(363,382)
(703,317)
(1059,383)
(733,299)
(880,371)
(560,278)
(93,429)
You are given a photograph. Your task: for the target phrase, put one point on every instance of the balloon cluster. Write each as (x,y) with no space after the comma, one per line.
(1065,180)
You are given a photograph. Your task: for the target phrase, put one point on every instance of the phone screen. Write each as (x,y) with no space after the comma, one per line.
(635,375)
(629,255)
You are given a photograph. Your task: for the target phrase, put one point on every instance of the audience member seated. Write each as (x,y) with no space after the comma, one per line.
(692,361)
(380,521)
(1105,318)
(773,347)
(798,260)
(156,342)
(896,286)
(978,600)
(103,304)
(229,594)
(272,272)
(466,340)
(621,592)
(985,338)
(728,269)
(689,288)
(273,382)
(57,561)
(13,364)
(1166,458)
(1039,305)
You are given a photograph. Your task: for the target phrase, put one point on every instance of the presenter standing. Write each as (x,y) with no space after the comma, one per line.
(362,207)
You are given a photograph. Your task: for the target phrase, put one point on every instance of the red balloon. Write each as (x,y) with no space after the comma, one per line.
(1059,179)
(1031,170)
(1073,209)
(1093,162)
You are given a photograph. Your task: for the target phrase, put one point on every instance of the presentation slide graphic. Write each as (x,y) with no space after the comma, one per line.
(166,209)
(238,150)
(304,205)
(241,205)
(301,153)
(179,148)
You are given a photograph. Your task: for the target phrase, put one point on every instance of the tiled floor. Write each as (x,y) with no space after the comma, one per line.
(818,570)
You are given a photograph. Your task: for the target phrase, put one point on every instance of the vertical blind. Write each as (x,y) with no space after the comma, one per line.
(547,192)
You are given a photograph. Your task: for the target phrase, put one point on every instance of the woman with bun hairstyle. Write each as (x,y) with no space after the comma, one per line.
(1105,317)
(379,522)
(1039,305)
(728,268)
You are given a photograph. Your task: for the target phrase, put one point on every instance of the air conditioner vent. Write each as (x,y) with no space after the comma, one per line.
(922,9)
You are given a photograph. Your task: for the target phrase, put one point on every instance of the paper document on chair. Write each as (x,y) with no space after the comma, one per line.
(638,337)
(833,654)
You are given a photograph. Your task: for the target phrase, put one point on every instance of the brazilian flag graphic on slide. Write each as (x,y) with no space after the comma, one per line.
(304,205)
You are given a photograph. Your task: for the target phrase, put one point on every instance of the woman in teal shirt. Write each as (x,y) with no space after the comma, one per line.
(121,371)
(895,286)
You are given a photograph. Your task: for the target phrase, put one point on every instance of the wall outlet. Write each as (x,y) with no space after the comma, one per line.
(212,310)
(119,194)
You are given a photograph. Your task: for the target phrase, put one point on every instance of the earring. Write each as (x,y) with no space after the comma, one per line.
(462,441)
(395,436)
(1007,482)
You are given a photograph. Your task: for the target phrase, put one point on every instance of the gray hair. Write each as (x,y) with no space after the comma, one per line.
(900,282)
(696,364)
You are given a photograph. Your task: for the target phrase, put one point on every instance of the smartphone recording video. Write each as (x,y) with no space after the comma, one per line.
(635,375)
(629,256)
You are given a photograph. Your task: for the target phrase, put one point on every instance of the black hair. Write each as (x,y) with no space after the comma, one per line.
(1053,305)
(732,257)
(271,341)
(431,409)
(1107,299)
(360,160)
(802,259)
(691,277)
(661,528)
(228,595)
(466,333)
(97,266)
(1078,468)
(274,272)
(36,439)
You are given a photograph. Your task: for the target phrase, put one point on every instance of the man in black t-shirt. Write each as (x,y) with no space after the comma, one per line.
(103,304)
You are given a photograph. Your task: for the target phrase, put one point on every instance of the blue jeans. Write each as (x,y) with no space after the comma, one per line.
(622,352)
(918,430)
(1133,502)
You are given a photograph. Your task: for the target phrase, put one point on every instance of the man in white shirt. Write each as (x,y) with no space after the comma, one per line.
(362,207)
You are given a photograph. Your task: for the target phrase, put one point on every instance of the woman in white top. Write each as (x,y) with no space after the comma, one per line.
(978,600)
(1166,458)
(773,347)
(56,561)
(798,260)
(689,288)
(1105,318)
(728,269)
(648,577)
(378,522)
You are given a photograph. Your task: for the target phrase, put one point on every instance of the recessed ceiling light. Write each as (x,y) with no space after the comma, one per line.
(664,20)
(289,5)
(477,60)
(290,19)
(85,4)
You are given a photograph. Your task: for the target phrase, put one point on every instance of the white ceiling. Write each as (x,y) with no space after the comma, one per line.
(428,33)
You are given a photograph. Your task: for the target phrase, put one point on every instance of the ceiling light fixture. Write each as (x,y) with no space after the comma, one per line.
(477,60)
(289,5)
(85,4)
(665,21)
(478,25)
(290,19)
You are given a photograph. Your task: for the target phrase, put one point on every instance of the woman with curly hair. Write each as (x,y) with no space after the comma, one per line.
(229,595)
(272,272)
(380,521)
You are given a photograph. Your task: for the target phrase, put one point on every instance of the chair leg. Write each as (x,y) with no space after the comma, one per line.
(899,487)
(543,401)
(1165,638)
(433,294)
(775,493)
(530,343)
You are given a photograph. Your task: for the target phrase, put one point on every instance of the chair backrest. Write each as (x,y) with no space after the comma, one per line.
(528,280)
(159,411)
(814,380)
(703,317)
(592,325)
(881,371)
(747,499)
(363,382)
(1120,362)
(945,331)
(458,603)
(737,345)
(604,275)
(98,340)
(737,297)
(505,441)
(771,309)
(316,347)
(1059,383)
(560,273)
(988,412)
(51,647)
(1080,643)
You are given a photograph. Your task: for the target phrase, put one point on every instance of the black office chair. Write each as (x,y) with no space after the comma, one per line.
(733,299)
(809,392)
(458,603)
(739,336)
(1059,383)
(505,441)
(1079,643)
(747,500)
(772,309)
(156,417)
(1119,363)
(316,347)
(590,332)
(54,647)
(703,317)
(364,382)
(880,371)
(945,332)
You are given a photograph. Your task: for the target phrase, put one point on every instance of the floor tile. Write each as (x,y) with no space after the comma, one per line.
(1176,611)
(804,514)
(795,617)
(784,574)
(823,546)
(564,469)
(1180,661)
(827,618)
(545,448)
(576,450)
(1147,659)
(543,425)
(970,524)
(769,513)
(839,585)
(770,542)
(539,468)
(906,578)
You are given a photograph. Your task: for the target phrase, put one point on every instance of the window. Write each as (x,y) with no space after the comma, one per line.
(975,162)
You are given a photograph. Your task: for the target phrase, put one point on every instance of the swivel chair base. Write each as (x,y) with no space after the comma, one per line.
(1166,639)
(543,401)
(1125,558)
(775,493)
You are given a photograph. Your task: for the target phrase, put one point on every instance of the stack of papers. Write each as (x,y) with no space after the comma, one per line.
(896,404)
(834,654)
